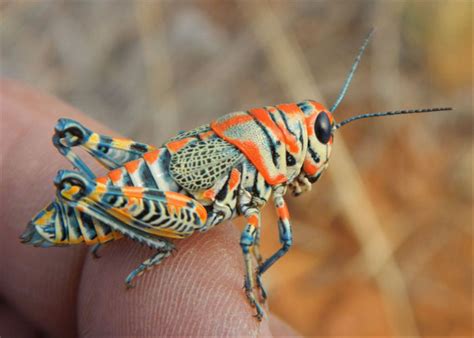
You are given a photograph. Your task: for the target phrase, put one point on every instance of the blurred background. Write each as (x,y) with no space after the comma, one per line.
(383,243)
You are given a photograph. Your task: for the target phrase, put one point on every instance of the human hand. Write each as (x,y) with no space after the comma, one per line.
(64,292)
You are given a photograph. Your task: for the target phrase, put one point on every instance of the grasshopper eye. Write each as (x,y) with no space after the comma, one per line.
(322,128)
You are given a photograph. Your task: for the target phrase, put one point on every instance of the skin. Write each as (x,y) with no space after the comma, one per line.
(64,292)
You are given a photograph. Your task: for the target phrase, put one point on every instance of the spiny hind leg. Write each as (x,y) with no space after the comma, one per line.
(109,151)
(136,212)
(156,259)
(284,230)
(247,240)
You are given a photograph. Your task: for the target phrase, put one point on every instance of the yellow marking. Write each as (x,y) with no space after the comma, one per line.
(69,193)
(121,143)
(100,188)
(45,219)
(94,138)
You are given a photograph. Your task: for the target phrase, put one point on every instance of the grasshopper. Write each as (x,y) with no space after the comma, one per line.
(194,181)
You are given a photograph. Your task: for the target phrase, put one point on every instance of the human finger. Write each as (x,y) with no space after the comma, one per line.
(42,284)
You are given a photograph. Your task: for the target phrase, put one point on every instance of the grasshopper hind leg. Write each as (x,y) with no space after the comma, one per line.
(157,258)
(109,151)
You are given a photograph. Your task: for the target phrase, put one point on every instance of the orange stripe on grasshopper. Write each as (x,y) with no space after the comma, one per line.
(202,213)
(234,179)
(206,135)
(151,156)
(249,148)
(115,175)
(132,166)
(253,220)
(209,194)
(310,168)
(289,108)
(180,201)
(175,146)
(263,116)
(290,140)
(102,180)
(231,122)
(252,151)
(283,212)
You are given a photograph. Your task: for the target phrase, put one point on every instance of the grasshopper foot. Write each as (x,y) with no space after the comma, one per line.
(135,273)
(253,301)
(260,314)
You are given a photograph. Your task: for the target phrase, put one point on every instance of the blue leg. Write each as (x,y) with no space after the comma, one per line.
(247,240)
(157,258)
(284,229)
(256,247)
(108,151)
(68,134)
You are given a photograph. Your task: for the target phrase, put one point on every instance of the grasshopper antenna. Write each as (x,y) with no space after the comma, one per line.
(389,113)
(344,88)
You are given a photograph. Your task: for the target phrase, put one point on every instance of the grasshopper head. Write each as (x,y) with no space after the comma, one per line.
(320,129)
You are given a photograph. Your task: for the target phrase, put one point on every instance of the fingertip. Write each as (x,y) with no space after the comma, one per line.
(40,283)
(197,291)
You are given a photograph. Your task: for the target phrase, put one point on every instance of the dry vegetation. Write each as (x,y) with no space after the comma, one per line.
(383,244)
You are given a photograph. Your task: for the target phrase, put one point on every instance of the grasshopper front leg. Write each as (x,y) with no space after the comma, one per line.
(247,240)
(285,234)
(256,247)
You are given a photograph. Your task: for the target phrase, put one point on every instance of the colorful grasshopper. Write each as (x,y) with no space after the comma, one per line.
(193,182)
